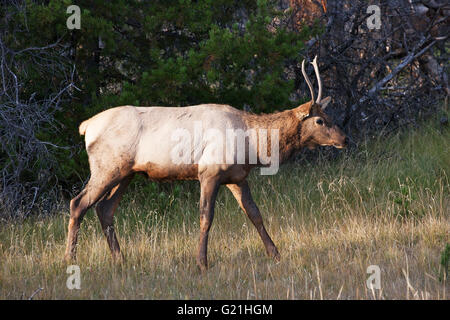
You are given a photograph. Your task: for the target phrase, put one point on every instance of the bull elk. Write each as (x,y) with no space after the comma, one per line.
(126,140)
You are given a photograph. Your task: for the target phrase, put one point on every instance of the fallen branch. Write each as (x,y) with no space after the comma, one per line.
(405,62)
(35,293)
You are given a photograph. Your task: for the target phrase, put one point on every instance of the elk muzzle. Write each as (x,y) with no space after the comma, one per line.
(338,138)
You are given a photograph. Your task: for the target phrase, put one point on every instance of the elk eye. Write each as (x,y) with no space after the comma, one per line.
(319,121)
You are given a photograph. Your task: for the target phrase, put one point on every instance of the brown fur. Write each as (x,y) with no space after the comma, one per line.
(159,173)
(285,121)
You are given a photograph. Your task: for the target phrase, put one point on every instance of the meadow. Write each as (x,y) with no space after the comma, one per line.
(385,204)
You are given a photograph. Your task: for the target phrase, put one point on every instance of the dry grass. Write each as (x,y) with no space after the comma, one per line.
(387,205)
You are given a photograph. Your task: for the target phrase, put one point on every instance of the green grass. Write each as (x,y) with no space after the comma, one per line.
(386,204)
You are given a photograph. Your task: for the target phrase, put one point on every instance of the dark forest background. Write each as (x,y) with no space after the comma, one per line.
(176,53)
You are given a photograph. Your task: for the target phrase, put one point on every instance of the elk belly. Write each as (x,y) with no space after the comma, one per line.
(157,172)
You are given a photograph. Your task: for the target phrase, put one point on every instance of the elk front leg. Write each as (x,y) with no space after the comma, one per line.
(209,188)
(241,192)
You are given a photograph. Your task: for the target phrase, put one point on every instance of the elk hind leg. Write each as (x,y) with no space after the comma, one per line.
(79,205)
(105,211)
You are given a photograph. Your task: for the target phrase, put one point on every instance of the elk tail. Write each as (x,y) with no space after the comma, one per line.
(83,127)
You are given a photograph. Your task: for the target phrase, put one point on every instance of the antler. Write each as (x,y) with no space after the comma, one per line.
(319,81)
(307,80)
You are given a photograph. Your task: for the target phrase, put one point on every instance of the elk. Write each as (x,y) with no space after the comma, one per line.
(126,140)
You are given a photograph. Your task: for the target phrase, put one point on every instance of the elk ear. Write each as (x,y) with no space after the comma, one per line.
(304,110)
(324,102)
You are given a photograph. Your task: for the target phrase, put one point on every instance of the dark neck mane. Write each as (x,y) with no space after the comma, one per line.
(288,125)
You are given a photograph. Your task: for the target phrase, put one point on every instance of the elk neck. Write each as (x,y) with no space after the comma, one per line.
(289,126)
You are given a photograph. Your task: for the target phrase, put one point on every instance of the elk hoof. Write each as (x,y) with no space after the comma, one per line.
(202,268)
(69,258)
(274,254)
(277,257)
(202,265)
(118,258)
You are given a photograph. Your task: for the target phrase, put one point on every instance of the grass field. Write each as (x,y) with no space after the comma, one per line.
(387,204)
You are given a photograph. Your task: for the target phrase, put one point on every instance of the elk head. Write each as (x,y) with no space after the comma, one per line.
(317,129)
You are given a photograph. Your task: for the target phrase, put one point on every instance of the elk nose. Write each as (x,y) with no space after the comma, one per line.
(346,141)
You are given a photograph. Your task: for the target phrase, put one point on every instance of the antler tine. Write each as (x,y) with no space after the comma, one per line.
(319,81)
(307,80)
